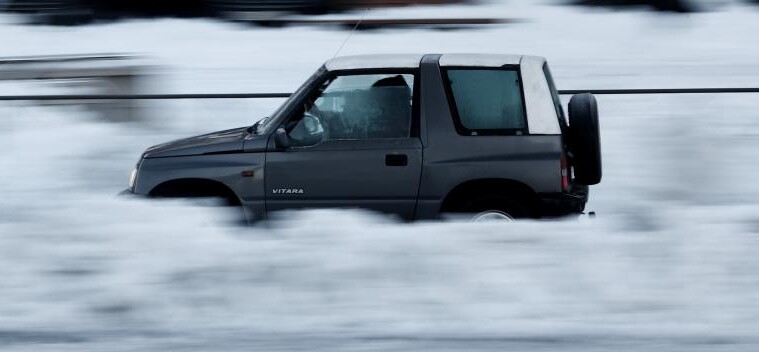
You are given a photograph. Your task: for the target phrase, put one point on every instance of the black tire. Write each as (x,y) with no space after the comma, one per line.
(584,139)
(514,207)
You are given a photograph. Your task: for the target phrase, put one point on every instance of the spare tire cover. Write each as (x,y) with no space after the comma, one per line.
(584,139)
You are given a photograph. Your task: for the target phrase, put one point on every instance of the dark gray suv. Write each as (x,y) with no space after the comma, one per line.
(418,136)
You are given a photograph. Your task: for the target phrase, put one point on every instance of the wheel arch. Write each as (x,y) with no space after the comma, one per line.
(472,189)
(194,188)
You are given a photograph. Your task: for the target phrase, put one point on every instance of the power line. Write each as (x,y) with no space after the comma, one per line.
(145,96)
(660,91)
(286,95)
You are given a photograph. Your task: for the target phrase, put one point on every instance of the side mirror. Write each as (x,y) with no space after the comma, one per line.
(281,139)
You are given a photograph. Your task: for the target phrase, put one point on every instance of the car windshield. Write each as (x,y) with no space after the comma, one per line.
(265,123)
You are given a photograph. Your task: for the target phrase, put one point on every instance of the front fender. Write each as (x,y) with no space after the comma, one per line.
(241,172)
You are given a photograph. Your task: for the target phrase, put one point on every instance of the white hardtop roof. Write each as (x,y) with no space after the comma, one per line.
(374,61)
(413,60)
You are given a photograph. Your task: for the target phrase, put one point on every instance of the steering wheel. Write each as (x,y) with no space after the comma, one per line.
(312,123)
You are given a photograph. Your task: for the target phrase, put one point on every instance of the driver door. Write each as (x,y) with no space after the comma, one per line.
(353,145)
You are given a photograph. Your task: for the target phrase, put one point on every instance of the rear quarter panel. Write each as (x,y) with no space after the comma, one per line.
(451,159)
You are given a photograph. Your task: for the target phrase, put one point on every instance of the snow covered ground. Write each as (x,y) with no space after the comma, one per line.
(670,264)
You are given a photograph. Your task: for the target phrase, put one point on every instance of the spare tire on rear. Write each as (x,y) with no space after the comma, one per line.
(584,139)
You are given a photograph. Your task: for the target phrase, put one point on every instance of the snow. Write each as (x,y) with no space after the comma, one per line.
(670,264)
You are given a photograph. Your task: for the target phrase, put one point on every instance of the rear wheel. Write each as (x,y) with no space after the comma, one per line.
(493,208)
(492,216)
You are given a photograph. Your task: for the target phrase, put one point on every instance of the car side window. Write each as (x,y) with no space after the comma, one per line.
(356,107)
(486,101)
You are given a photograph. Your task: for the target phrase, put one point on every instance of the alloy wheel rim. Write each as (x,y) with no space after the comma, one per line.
(492,216)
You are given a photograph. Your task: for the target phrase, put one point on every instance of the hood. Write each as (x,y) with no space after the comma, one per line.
(228,141)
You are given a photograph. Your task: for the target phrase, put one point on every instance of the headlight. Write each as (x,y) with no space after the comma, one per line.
(132,178)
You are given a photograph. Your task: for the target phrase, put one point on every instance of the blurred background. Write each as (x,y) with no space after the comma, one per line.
(270,12)
(669,264)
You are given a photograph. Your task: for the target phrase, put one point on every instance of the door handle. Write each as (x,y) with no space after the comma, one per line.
(396,160)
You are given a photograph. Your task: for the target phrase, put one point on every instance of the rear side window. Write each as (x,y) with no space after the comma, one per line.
(487,101)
